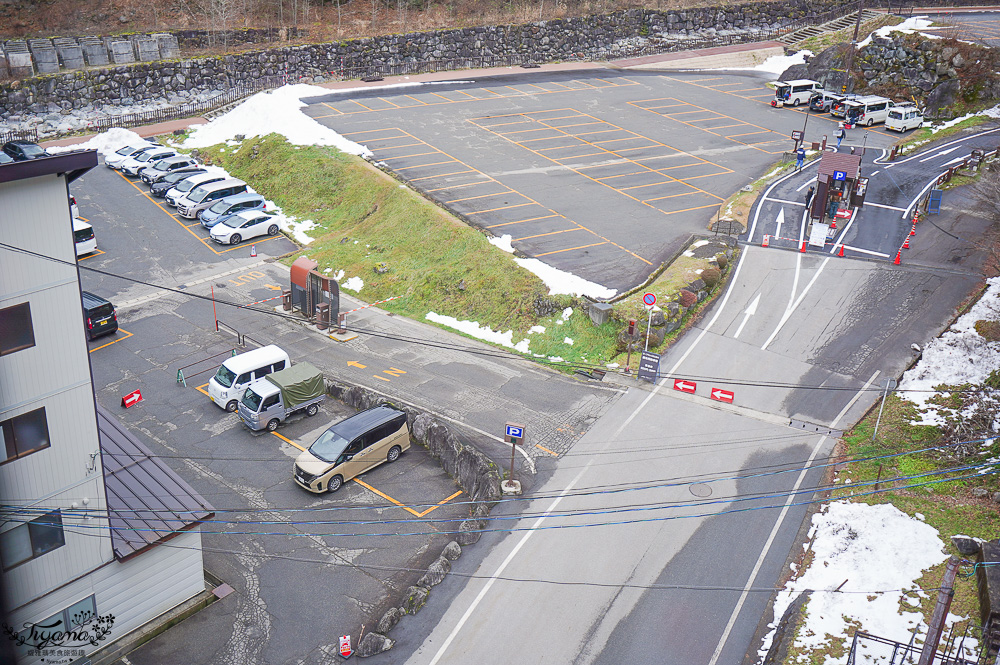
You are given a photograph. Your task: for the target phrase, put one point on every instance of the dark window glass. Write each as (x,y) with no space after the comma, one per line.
(29,541)
(25,433)
(16,332)
(243,378)
(271,401)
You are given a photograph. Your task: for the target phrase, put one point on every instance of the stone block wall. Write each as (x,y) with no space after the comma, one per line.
(541,42)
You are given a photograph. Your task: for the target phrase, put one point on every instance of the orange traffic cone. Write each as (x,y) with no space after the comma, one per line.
(803,250)
(906,243)
(833,225)
(841,252)
(913,231)
(896,261)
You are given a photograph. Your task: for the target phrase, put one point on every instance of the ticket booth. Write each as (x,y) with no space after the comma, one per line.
(838,185)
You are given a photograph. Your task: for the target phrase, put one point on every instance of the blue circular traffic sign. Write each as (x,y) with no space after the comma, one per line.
(649,299)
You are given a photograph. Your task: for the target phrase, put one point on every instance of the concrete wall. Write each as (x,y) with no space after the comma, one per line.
(582,37)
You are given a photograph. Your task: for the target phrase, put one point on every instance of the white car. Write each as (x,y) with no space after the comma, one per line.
(133,165)
(122,154)
(180,190)
(243,226)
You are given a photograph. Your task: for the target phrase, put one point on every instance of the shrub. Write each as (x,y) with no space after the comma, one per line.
(722,261)
(711,277)
(687,299)
(988,330)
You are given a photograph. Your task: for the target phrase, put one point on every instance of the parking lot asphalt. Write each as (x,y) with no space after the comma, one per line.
(305,568)
(970,24)
(603,173)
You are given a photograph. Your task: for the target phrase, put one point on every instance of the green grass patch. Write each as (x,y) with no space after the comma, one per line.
(821,42)
(924,135)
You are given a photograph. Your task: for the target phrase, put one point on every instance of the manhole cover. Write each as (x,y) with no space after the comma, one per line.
(701,490)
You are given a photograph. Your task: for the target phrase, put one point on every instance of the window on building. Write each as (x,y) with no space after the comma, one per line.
(75,615)
(24,434)
(16,332)
(31,540)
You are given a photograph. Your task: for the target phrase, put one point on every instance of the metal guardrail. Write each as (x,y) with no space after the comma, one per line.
(19,135)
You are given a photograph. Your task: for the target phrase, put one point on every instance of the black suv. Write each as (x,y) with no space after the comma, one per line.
(99,314)
(21,151)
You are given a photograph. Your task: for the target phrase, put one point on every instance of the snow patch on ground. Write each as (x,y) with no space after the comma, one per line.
(503,242)
(907,27)
(875,548)
(277,111)
(473,329)
(776,64)
(353,284)
(960,355)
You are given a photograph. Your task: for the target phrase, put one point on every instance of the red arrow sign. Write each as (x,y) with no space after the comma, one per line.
(722,395)
(131,399)
(685,386)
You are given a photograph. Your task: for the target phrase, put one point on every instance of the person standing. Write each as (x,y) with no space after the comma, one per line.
(800,157)
(840,135)
(809,196)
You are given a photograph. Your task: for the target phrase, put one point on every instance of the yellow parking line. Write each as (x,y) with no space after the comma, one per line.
(201,389)
(91,255)
(386,497)
(483,196)
(115,341)
(570,249)
(468,184)
(541,447)
(443,175)
(420,166)
(552,233)
(417,154)
(522,221)
(287,440)
(479,212)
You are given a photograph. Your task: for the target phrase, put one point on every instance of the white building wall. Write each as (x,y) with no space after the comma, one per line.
(133,592)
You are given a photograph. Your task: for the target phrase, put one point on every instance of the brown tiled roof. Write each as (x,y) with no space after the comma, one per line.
(147,502)
(837,161)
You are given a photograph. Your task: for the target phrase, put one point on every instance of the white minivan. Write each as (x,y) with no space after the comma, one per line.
(238,372)
(866,110)
(904,117)
(83,236)
(793,93)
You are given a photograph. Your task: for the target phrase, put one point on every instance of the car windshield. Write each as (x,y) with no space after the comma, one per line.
(220,207)
(127,150)
(32,150)
(329,446)
(895,115)
(197,194)
(161,165)
(235,221)
(251,400)
(177,177)
(185,186)
(224,377)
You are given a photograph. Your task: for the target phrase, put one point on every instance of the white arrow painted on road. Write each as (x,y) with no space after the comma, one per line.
(750,311)
(781,220)
(940,154)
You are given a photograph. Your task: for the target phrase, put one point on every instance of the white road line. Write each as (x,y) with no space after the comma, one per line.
(933,181)
(939,154)
(805,184)
(767,192)
(843,234)
(956,141)
(882,205)
(777,524)
(781,220)
(794,203)
(866,251)
(142,300)
(788,312)
(611,441)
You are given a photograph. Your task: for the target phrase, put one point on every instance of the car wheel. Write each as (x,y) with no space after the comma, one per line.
(272,230)
(231,407)
(394,453)
(235,239)
(871,121)
(312,410)
(334,484)
(795,102)
(272,424)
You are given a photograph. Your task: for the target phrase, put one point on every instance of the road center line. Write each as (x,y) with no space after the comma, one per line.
(788,312)
(611,441)
(781,518)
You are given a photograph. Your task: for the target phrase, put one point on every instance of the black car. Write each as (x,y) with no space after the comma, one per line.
(99,315)
(160,187)
(21,151)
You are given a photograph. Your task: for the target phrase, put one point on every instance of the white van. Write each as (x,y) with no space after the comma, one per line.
(793,93)
(83,236)
(238,372)
(865,110)
(904,117)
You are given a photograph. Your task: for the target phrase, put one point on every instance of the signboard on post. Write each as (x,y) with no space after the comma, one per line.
(649,299)
(514,435)
(796,135)
(649,366)
(840,175)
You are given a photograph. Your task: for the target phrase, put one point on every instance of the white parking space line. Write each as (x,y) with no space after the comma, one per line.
(866,251)
(882,205)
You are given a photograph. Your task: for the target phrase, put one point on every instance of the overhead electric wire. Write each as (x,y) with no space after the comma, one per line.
(422,341)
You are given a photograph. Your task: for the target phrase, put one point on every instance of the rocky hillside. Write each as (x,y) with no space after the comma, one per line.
(946,76)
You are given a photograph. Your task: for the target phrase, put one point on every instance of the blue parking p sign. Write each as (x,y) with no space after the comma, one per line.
(515,431)
(840,175)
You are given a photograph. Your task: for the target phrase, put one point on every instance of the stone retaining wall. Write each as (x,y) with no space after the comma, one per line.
(544,41)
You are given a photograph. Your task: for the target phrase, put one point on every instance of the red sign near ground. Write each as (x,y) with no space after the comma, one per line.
(345,646)
(131,399)
(685,386)
(722,395)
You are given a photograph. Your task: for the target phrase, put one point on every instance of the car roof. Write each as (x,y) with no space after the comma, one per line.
(229,182)
(199,178)
(249,214)
(360,423)
(243,196)
(20,142)
(179,158)
(93,298)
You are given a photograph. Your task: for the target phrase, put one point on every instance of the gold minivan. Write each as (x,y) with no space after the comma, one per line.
(351,447)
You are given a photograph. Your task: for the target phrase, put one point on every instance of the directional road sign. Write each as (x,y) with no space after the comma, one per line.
(722,395)
(131,399)
(685,386)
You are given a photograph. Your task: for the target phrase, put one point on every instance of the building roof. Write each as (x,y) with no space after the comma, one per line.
(72,164)
(147,502)
(837,161)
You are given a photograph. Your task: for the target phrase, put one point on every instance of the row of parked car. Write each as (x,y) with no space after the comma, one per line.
(852,108)
(227,207)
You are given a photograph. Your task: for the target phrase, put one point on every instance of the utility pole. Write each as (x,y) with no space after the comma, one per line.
(936,625)
(854,43)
